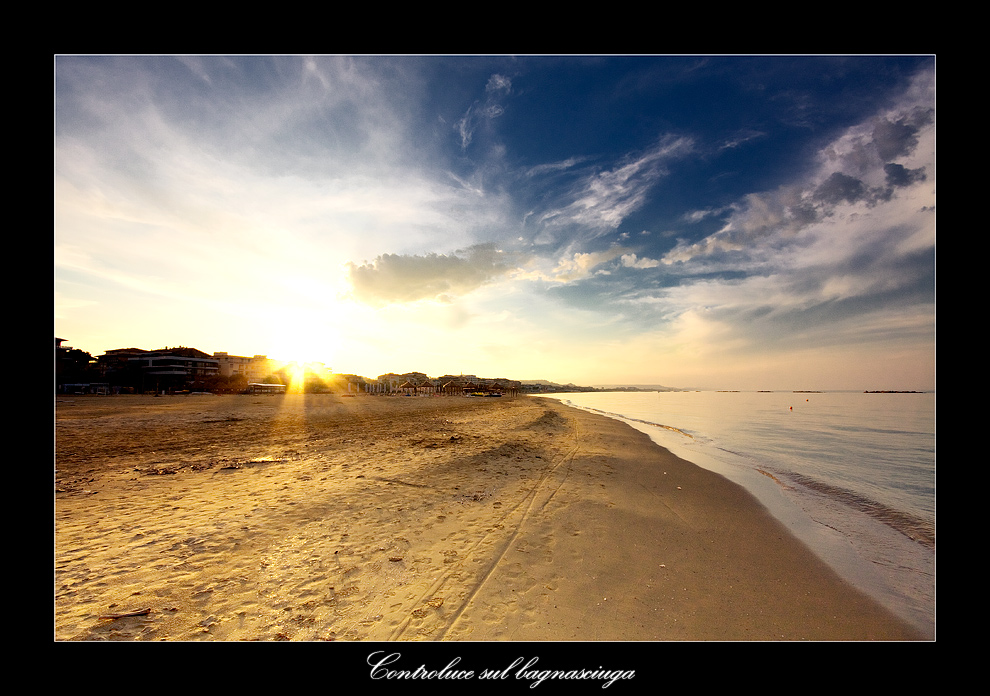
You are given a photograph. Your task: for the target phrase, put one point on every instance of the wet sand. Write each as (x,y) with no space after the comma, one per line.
(372,518)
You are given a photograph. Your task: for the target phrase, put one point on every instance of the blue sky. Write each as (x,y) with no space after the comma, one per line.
(723,222)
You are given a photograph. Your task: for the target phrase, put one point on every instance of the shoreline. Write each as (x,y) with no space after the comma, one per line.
(417,519)
(847,539)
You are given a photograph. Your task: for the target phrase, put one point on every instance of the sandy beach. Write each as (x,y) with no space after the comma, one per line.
(323,517)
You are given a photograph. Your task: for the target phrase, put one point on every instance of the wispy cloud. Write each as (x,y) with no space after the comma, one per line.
(600,201)
(480,112)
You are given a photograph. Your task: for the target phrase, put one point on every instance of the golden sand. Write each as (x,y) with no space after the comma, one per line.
(372,518)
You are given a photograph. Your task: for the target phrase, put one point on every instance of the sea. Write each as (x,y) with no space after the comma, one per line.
(851,474)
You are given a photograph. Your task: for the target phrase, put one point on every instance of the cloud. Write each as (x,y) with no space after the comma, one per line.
(481,112)
(856,171)
(581,265)
(899,137)
(812,263)
(569,267)
(553,167)
(741,139)
(498,83)
(404,278)
(631,261)
(602,200)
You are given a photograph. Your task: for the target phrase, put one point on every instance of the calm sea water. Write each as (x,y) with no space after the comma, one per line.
(851,474)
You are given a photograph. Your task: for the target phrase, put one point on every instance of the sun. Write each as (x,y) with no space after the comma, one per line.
(297,374)
(303,347)
(305,376)
(302,359)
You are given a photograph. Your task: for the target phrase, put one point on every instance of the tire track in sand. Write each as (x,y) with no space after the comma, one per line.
(540,495)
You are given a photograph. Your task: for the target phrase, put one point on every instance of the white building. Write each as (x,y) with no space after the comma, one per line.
(254,369)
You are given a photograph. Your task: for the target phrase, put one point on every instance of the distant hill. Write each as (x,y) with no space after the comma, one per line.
(547,385)
(637,387)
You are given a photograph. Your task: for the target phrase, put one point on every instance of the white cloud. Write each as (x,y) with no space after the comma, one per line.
(498,83)
(632,261)
(479,113)
(570,267)
(601,201)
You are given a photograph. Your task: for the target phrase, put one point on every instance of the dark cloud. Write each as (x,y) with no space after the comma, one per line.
(898,138)
(898,175)
(842,188)
(839,188)
(398,278)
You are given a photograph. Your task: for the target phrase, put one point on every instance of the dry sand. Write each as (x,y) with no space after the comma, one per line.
(370,518)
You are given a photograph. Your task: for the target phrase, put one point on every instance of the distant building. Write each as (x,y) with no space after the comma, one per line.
(165,369)
(178,362)
(253,369)
(75,370)
(130,370)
